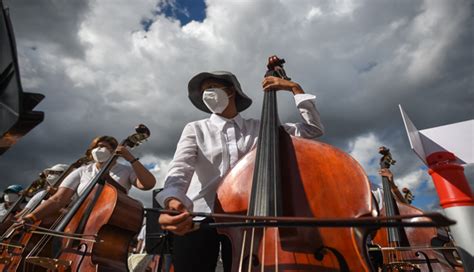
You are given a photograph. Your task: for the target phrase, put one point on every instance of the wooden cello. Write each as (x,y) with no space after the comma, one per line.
(20,242)
(7,227)
(405,249)
(290,176)
(9,218)
(100,225)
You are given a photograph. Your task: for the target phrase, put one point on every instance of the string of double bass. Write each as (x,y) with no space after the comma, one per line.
(393,235)
(266,188)
(394,255)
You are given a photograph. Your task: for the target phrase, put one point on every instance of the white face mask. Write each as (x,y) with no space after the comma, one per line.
(216,99)
(10,197)
(101,154)
(51,179)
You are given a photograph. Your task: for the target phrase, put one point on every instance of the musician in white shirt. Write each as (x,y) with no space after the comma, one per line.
(52,175)
(99,151)
(208,149)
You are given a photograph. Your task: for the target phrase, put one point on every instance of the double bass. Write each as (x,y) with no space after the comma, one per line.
(99,226)
(291,176)
(405,249)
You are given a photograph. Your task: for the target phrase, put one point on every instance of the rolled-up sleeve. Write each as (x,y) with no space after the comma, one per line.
(312,126)
(181,170)
(72,180)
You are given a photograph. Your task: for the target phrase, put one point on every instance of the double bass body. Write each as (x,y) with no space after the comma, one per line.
(318,181)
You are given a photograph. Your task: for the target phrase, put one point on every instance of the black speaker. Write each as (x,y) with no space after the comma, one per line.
(157,241)
(16,107)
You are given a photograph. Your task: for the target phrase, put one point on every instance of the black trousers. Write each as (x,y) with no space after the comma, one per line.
(198,251)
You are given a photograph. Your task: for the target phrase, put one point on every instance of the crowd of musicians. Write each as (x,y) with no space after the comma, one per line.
(207,150)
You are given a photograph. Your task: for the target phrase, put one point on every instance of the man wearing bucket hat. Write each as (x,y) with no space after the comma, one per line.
(52,175)
(207,150)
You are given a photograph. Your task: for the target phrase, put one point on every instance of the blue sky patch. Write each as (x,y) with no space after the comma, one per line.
(184,10)
(375,180)
(146,23)
(150,166)
(373,161)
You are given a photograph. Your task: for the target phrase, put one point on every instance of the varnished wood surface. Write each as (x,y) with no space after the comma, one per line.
(115,218)
(319,181)
(415,237)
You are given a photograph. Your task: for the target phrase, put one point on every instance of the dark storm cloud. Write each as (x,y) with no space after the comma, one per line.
(74,114)
(48,23)
(39,26)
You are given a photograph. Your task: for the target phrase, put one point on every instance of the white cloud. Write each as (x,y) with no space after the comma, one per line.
(414,180)
(435,207)
(159,168)
(344,7)
(365,150)
(313,12)
(432,32)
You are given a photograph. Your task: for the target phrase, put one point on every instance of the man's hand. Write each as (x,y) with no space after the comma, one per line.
(386,173)
(178,224)
(20,214)
(275,83)
(27,219)
(20,223)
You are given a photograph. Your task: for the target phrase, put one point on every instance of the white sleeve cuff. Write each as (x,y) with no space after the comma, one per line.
(299,98)
(168,193)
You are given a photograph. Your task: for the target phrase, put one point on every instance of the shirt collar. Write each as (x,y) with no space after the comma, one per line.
(220,121)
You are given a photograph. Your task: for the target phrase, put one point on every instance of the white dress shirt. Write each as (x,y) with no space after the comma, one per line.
(209,148)
(83,176)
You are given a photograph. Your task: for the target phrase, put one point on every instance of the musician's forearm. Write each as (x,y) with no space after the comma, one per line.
(296,89)
(53,204)
(48,208)
(145,179)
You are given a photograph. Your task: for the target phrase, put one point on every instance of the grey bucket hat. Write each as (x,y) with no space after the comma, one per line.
(242,101)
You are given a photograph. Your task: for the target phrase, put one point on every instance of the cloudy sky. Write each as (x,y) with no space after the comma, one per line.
(106,66)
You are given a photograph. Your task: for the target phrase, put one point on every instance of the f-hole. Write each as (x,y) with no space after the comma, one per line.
(320,253)
(427,259)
